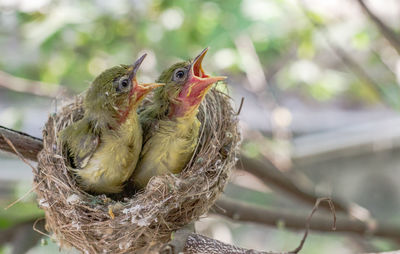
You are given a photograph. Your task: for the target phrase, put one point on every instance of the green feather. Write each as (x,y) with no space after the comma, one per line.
(162,97)
(103,151)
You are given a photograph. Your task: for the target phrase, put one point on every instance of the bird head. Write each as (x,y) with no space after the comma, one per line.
(186,86)
(115,92)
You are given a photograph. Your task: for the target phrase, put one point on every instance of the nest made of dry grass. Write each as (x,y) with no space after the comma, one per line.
(169,202)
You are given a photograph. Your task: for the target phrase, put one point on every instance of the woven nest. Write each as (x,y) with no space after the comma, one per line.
(146,219)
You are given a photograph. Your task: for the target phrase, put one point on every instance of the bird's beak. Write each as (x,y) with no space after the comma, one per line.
(135,68)
(140,90)
(200,82)
(144,88)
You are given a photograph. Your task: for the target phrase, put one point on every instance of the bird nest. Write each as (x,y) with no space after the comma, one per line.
(136,222)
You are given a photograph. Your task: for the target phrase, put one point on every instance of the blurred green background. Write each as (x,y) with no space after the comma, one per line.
(320,85)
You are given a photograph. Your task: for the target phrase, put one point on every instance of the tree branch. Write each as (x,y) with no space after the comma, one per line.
(22,236)
(199,244)
(26,145)
(240,211)
(388,33)
(273,177)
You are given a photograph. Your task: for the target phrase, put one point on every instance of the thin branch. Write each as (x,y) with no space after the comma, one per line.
(240,106)
(8,141)
(240,211)
(28,146)
(199,244)
(179,240)
(30,86)
(386,31)
(218,247)
(308,222)
(273,177)
(386,252)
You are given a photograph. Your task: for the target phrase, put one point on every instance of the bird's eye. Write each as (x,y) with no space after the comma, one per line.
(123,84)
(179,75)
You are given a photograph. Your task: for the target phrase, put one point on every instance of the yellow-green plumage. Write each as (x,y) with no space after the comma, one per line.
(169,143)
(168,150)
(170,124)
(162,98)
(104,146)
(114,159)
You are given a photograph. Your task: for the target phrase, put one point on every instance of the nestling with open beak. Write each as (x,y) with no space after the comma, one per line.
(171,127)
(104,146)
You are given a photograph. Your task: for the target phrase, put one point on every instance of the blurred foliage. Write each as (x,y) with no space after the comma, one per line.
(18,213)
(69,42)
(24,210)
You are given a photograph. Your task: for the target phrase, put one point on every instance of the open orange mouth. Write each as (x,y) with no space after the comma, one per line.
(197,69)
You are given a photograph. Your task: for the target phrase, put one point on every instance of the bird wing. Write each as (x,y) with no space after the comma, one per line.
(81,142)
(88,145)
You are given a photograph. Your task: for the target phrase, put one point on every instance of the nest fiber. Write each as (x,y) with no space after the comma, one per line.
(99,224)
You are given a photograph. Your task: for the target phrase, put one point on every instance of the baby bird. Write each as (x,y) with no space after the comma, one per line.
(171,125)
(104,146)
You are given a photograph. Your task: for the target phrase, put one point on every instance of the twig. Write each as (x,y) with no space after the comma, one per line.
(17,153)
(240,211)
(21,236)
(240,106)
(26,162)
(273,177)
(21,198)
(387,32)
(199,244)
(40,231)
(206,245)
(179,240)
(308,222)
(386,252)
(28,146)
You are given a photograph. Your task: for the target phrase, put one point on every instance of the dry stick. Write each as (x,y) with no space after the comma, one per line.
(308,222)
(240,106)
(195,242)
(273,177)
(199,244)
(386,31)
(16,152)
(39,230)
(241,211)
(28,146)
(386,252)
(26,162)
